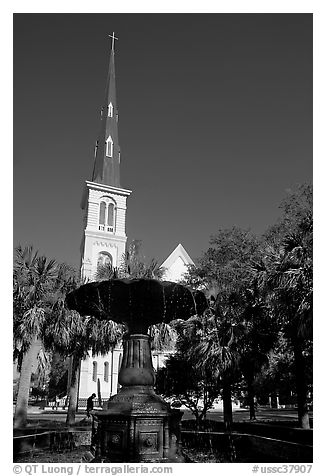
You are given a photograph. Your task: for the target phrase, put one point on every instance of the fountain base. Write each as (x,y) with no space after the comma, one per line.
(137,426)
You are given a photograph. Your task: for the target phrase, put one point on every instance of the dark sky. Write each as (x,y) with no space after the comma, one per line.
(215,122)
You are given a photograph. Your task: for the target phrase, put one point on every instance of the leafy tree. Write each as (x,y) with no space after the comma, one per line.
(183,381)
(224,272)
(278,377)
(224,267)
(258,288)
(182,378)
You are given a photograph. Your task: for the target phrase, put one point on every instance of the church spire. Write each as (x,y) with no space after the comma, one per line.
(107,150)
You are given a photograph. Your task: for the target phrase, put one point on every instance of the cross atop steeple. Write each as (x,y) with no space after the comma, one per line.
(113,38)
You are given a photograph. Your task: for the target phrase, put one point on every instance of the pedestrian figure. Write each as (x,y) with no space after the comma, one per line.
(90,404)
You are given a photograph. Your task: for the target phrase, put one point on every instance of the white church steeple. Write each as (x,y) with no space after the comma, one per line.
(104,201)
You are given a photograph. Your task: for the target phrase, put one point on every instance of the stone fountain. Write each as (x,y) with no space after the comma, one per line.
(137,424)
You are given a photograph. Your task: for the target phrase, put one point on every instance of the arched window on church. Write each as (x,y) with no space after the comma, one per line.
(110,215)
(104,259)
(94,376)
(107,215)
(106,371)
(102,216)
(109,147)
(110,110)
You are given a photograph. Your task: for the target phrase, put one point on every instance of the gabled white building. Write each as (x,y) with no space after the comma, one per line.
(176,264)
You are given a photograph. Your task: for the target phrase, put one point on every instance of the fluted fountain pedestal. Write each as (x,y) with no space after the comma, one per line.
(135,425)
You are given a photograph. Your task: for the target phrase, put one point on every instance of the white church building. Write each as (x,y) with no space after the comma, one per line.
(104,203)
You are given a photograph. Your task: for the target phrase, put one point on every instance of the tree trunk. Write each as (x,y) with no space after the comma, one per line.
(197,417)
(251,398)
(228,419)
(69,374)
(301,385)
(73,392)
(29,365)
(227,404)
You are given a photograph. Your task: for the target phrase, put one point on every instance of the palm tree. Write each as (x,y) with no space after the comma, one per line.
(34,279)
(73,335)
(258,339)
(100,337)
(214,350)
(163,336)
(105,272)
(134,265)
(285,274)
(219,348)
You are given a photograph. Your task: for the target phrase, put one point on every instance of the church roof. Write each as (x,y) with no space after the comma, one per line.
(176,263)
(107,150)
